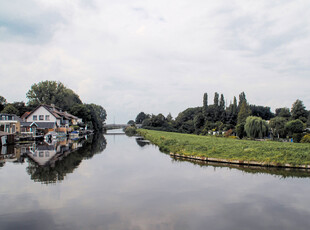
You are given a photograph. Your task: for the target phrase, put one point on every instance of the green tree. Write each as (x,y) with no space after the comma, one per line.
(3,103)
(244,112)
(256,127)
(81,111)
(141,117)
(52,92)
(198,122)
(242,98)
(216,99)
(10,109)
(283,112)
(277,125)
(294,126)
(299,111)
(131,123)
(98,116)
(169,117)
(261,111)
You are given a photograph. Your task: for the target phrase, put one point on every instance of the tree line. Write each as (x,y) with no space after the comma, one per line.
(239,118)
(52,92)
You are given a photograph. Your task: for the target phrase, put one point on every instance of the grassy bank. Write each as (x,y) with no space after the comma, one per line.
(230,149)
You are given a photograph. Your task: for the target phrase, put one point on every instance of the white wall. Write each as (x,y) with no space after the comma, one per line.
(41,111)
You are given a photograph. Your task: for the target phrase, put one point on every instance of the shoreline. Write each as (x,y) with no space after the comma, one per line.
(240,162)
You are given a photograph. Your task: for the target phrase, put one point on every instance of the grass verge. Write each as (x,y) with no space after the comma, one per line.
(265,152)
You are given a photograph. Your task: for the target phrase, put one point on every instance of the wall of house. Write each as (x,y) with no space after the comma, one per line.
(41,111)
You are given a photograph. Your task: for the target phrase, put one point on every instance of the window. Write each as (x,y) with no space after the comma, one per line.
(41,117)
(41,154)
(47,117)
(35,117)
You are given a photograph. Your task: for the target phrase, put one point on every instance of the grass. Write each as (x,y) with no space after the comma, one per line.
(230,149)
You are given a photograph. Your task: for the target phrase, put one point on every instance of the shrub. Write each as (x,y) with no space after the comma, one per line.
(305,139)
(297,137)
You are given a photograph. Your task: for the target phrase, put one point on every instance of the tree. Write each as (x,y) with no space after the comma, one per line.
(299,111)
(283,112)
(81,111)
(141,117)
(52,92)
(205,106)
(277,125)
(10,109)
(216,99)
(244,112)
(261,111)
(169,117)
(256,127)
(242,98)
(131,122)
(3,103)
(98,116)
(21,107)
(294,126)
(199,122)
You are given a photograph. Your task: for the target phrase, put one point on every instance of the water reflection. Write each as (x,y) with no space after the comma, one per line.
(50,162)
(279,172)
(142,142)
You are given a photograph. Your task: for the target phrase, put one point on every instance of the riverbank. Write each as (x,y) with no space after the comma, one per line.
(227,150)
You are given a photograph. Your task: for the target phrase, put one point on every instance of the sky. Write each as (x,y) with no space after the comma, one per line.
(157,56)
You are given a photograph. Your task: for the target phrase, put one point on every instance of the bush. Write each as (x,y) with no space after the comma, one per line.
(297,137)
(305,139)
(131,130)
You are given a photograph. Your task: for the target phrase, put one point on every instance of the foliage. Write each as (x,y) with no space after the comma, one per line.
(256,127)
(9,109)
(81,111)
(141,117)
(283,112)
(131,131)
(295,126)
(3,103)
(131,122)
(299,111)
(244,112)
(297,137)
(277,125)
(52,92)
(305,139)
(240,130)
(98,116)
(261,111)
(230,148)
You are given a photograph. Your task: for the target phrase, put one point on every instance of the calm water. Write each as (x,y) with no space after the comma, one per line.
(118,182)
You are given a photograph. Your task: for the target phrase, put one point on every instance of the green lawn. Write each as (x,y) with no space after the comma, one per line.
(230,149)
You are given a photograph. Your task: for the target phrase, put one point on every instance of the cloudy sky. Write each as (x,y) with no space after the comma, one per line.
(157,56)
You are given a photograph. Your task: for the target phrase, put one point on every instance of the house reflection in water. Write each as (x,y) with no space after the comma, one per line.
(46,154)
(51,162)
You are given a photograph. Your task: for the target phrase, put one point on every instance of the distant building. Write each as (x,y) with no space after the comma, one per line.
(10,123)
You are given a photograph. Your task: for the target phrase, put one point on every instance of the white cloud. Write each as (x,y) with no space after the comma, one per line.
(132,56)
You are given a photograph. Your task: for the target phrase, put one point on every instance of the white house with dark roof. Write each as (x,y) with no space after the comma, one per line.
(49,118)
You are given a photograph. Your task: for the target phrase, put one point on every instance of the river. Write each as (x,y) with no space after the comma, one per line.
(118,182)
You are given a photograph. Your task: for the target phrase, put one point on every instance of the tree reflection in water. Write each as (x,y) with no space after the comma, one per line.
(275,171)
(57,169)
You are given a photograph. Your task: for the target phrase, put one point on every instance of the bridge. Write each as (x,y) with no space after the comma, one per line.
(115,126)
(118,126)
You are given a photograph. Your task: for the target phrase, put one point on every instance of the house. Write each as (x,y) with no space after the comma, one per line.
(10,123)
(49,118)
